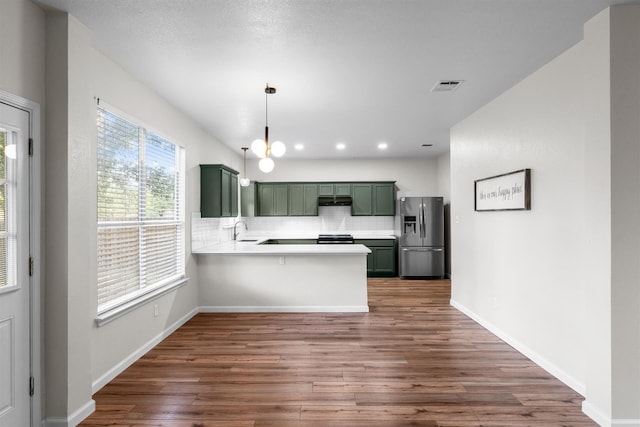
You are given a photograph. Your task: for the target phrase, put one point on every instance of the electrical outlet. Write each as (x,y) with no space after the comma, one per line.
(281,261)
(156,311)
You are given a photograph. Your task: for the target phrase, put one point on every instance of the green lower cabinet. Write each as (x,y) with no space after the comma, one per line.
(384,261)
(381,262)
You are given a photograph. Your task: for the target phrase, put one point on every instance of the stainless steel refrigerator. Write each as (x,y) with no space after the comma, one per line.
(421,237)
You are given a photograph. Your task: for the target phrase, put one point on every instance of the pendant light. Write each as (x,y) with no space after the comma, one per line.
(260,147)
(244,181)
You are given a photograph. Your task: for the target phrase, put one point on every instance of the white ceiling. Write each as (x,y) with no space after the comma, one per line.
(353,71)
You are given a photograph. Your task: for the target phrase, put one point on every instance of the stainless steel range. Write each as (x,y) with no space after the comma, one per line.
(334,238)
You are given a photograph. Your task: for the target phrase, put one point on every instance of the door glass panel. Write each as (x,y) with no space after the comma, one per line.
(7,209)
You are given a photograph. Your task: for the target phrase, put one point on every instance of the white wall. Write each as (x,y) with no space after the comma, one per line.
(561,282)
(444,177)
(522,271)
(24,76)
(597,214)
(81,355)
(625,212)
(414,177)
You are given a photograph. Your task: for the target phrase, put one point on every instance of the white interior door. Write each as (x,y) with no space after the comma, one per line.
(15,364)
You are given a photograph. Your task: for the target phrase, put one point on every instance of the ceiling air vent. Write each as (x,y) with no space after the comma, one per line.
(446,85)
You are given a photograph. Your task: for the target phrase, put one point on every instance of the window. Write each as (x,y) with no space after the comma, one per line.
(140,211)
(8,232)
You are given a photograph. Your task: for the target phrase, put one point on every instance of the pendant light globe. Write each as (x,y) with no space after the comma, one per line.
(259,148)
(278,148)
(266,165)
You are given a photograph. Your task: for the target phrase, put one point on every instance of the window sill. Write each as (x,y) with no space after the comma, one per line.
(122,309)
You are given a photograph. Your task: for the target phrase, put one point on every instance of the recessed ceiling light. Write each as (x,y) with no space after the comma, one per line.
(298,147)
(382,146)
(341,146)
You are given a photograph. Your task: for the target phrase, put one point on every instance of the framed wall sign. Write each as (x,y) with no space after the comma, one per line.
(507,192)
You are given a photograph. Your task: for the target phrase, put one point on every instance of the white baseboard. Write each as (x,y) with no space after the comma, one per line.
(73,419)
(595,414)
(286,309)
(625,423)
(603,420)
(129,360)
(535,357)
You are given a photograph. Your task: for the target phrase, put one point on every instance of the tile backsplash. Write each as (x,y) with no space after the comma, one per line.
(330,219)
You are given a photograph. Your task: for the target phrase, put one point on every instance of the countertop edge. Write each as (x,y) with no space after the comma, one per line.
(281,250)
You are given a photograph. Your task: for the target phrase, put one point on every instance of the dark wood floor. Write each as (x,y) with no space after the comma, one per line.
(412,361)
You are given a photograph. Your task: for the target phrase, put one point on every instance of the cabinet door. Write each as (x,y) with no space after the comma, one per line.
(218,191)
(303,199)
(225,194)
(296,199)
(362,199)
(272,200)
(310,199)
(266,206)
(384,260)
(234,195)
(281,199)
(210,192)
(384,199)
(342,189)
(325,190)
(248,200)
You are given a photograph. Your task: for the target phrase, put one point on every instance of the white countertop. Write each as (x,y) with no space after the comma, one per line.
(255,248)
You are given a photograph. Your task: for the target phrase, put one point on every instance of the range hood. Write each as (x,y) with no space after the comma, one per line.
(334,201)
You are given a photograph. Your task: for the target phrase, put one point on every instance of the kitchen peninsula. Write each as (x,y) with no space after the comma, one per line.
(248,276)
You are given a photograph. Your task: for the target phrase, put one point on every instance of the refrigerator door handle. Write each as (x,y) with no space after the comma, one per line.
(423,226)
(422,249)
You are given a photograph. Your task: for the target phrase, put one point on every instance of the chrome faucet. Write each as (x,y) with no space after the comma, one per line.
(235,233)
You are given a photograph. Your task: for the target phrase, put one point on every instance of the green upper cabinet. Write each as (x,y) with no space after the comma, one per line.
(273,199)
(378,198)
(303,199)
(384,199)
(334,189)
(342,189)
(248,200)
(218,191)
(325,189)
(362,199)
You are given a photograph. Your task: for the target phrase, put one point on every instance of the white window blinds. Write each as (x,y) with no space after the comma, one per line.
(140,210)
